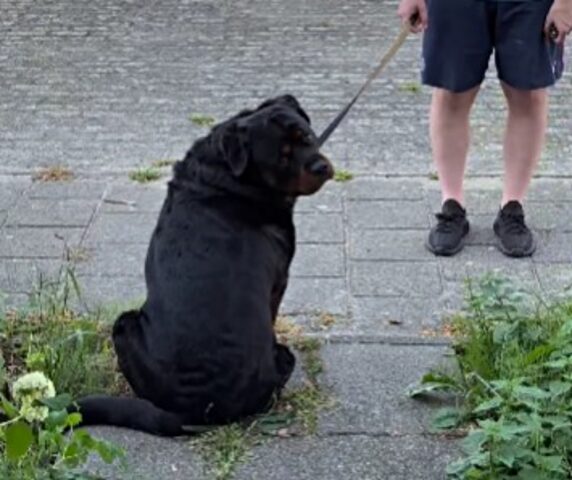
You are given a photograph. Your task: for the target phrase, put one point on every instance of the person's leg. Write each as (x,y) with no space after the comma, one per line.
(456,49)
(450,135)
(524,139)
(528,63)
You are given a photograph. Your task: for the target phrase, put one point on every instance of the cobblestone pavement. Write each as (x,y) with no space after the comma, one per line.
(104,87)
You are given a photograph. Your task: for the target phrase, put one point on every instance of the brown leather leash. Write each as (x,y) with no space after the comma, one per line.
(393,49)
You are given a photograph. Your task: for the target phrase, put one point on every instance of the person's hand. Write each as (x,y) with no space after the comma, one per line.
(414,13)
(558,21)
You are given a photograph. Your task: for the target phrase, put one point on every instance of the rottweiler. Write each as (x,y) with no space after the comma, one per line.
(202,350)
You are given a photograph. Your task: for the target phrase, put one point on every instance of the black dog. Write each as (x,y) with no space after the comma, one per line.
(202,350)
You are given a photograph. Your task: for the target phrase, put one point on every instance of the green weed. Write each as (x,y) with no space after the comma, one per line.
(343,176)
(145,174)
(202,120)
(513,375)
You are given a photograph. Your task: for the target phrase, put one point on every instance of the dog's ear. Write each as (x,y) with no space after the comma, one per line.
(233,143)
(291,100)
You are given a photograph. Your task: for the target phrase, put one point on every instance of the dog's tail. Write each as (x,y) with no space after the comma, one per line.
(132,413)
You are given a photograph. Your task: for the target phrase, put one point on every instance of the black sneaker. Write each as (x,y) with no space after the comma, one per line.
(447,237)
(514,238)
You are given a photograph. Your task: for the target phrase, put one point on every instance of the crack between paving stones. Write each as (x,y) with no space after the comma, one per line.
(94,213)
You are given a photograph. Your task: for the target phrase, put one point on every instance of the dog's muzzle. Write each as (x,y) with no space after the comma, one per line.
(321,167)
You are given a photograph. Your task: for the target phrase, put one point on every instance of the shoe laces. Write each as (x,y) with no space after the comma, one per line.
(514,223)
(447,223)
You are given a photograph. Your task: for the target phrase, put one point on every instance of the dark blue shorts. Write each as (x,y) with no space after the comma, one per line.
(462,34)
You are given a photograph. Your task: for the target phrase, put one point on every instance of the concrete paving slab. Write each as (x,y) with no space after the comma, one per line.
(369,383)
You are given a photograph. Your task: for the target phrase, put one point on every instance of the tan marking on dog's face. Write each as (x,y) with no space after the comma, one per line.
(307,183)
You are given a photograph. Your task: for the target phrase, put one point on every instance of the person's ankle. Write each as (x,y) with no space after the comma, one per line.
(508,199)
(458,198)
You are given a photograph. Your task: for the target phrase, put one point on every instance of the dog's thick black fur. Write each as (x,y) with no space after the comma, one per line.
(202,349)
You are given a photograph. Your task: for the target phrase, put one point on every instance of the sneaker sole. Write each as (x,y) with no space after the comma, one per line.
(513,254)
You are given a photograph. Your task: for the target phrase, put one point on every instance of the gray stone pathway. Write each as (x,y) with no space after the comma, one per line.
(105,87)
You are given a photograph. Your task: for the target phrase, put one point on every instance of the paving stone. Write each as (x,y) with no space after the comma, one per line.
(388,214)
(356,457)
(481,232)
(148,457)
(114,260)
(408,279)
(319,228)
(38,242)
(368,188)
(51,212)
(308,295)
(476,261)
(392,316)
(549,190)
(549,216)
(111,291)
(20,275)
(130,197)
(11,189)
(84,189)
(554,247)
(318,260)
(328,199)
(369,383)
(121,228)
(556,280)
(389,245)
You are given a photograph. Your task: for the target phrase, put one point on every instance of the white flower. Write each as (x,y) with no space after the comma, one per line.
(30,388)
(32,413)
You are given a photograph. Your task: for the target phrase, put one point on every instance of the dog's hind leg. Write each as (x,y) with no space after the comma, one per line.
(136,365)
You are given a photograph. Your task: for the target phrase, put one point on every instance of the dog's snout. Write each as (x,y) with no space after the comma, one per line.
(321,167)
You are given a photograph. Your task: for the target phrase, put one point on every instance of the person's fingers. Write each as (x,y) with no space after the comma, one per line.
(423,15)
(557,32)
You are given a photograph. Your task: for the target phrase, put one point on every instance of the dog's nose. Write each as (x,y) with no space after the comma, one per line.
(321,168)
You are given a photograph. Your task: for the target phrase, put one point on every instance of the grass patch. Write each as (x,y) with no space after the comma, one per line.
(343,176)
(145,174)
(74,350)
(202,120)
(433,176)
(410,87)
(225,448)
(513,376)
(55,173)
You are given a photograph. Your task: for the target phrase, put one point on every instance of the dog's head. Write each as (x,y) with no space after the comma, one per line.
(274,147)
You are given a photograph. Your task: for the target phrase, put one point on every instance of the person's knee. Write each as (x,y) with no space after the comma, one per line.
(454,103)
(526,102)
